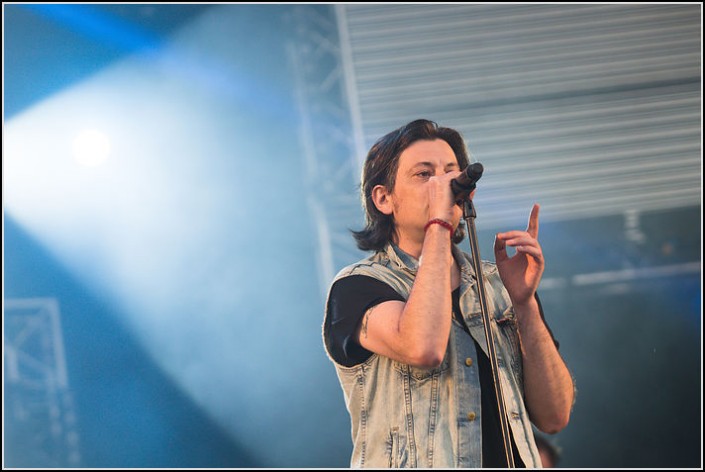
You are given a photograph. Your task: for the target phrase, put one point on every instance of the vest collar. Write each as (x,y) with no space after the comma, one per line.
(400,259)
(404,261)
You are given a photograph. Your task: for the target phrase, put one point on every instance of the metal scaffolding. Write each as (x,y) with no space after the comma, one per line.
(39,417)
(329,134)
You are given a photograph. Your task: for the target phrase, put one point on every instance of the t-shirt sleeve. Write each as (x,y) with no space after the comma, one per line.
(349,299)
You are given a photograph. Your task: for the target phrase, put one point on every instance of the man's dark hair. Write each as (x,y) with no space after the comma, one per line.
(381,167)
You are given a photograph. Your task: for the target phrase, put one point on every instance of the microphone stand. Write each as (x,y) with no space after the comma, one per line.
(469,216)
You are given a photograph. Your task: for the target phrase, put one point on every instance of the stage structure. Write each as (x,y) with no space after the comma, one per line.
(330,134)
(39,417)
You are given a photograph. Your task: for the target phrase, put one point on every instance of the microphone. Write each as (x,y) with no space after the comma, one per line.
(464,184)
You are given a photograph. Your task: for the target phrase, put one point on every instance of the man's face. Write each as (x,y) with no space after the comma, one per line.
(418,163)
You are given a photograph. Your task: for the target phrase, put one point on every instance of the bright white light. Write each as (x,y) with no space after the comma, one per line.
(161,229)
(127,179)
(91,147)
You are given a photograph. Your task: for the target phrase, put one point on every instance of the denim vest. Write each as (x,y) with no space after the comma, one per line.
(404,416)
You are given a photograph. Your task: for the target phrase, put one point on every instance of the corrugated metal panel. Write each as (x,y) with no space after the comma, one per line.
(587,109)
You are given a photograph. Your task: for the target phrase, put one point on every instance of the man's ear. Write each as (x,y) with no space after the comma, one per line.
(382,199)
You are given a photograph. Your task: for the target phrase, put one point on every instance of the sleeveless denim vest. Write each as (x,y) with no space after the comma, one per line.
(404,416)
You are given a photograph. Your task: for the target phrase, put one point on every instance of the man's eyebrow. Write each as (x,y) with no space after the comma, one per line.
(430,164)
(422,164)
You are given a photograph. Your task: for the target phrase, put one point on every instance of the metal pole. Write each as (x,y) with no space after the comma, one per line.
(469,216)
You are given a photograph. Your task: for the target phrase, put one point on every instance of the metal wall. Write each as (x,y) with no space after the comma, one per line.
(587,109)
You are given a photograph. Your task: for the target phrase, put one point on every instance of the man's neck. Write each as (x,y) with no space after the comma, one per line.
(410,246)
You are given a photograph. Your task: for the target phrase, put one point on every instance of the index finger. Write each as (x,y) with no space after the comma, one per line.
(533,228)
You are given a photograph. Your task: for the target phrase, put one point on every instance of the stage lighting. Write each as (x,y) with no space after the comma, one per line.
(91,147)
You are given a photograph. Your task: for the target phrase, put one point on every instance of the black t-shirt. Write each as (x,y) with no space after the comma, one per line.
(349,299)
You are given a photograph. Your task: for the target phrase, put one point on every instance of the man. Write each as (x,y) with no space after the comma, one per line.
(404,330)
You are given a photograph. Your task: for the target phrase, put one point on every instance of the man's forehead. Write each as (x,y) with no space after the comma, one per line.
(428,153)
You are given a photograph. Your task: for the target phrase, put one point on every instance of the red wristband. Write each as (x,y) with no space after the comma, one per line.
(438,221)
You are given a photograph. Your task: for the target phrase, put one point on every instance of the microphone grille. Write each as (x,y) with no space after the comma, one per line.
(475,170)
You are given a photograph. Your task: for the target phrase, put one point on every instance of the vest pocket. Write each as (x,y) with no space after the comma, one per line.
(419,374)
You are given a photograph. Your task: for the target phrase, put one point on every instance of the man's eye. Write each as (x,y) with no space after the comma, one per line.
(424,173)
